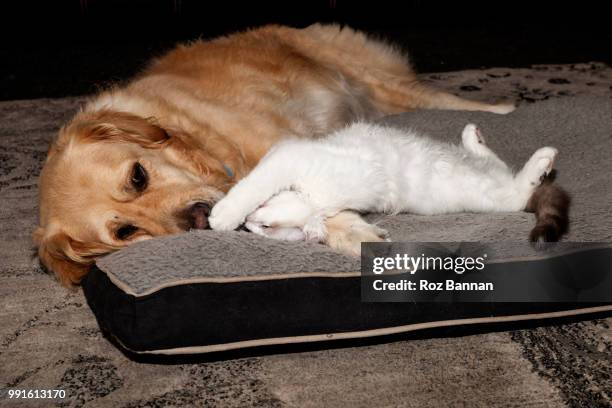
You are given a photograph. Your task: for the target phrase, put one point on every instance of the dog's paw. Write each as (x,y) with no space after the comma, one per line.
(503,108)
(315,229)
(349,240)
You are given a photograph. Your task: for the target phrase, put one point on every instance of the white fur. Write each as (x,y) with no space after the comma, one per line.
(372,168)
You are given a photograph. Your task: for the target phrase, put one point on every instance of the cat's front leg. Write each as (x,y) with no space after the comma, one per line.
(231,211)
(474,142)
(274,173)
(279,233)
(286,211)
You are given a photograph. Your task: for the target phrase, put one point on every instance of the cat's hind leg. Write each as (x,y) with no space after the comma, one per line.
(474,142)
(533,173)
(537,167)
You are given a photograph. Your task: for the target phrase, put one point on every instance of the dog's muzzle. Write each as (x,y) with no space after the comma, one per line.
(198,215)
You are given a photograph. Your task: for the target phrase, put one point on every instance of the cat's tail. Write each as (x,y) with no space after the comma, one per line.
(551,204)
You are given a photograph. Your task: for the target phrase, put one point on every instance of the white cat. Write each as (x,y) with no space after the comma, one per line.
(373,168)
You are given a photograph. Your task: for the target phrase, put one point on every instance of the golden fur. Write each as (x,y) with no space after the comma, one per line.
(198,119)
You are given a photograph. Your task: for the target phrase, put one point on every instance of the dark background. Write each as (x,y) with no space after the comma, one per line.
(59,48)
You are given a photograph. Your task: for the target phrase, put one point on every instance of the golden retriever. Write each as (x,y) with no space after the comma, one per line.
(150,158)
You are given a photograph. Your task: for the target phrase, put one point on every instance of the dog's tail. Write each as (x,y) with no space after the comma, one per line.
(551,205)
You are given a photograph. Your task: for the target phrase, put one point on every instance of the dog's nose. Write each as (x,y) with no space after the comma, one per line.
(198,215)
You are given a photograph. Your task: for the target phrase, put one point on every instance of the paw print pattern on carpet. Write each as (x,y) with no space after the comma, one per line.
(526,85)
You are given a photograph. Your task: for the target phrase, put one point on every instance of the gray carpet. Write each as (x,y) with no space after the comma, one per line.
(49,338)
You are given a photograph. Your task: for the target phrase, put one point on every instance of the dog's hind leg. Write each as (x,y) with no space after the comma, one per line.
(395,94)
(382,69)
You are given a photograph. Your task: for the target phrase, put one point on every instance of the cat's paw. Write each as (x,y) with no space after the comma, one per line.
(280,233)
(225,216)
(472,137)
(540,165)
(287,209)
(264,215)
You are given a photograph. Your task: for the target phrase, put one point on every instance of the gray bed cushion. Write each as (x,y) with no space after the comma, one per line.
(581,128)
(218,256)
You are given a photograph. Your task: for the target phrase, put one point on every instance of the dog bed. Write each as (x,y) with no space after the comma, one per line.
(207,291)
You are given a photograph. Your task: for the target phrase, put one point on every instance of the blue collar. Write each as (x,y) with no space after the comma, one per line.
(228,170)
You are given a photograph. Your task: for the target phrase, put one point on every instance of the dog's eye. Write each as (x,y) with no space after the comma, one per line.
(125,232)
(139,179)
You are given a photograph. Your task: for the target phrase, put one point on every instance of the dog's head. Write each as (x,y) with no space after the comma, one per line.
(113,178)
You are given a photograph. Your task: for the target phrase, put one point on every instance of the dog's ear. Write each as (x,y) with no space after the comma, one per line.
(68,259)
(110,126)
